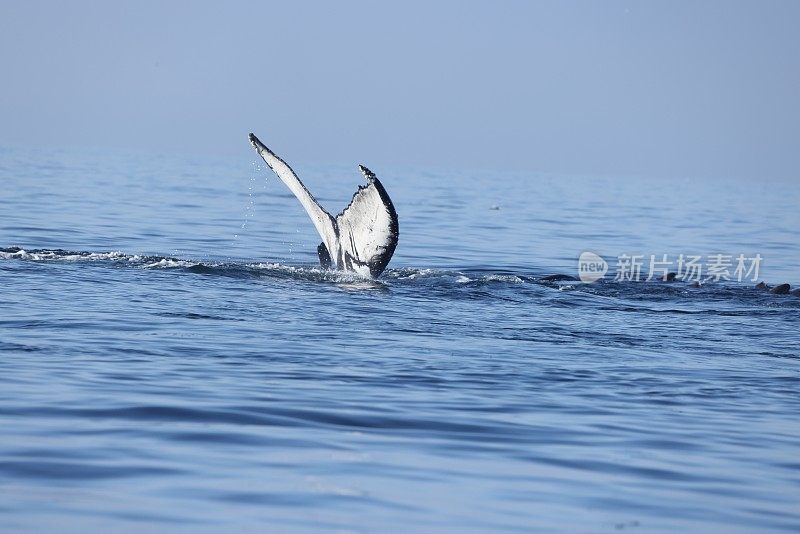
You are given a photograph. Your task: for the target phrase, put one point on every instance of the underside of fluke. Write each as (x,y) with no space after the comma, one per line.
(363,237)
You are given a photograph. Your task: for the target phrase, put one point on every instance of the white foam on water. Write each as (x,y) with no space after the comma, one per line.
(312,272)
(414,274)
(167,263)
(510,278)
(12,255)
(53,255)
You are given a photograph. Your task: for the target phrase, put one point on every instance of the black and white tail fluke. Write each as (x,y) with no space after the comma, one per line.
(363,237)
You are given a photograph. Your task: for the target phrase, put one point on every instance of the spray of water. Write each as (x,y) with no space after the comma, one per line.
(250,207)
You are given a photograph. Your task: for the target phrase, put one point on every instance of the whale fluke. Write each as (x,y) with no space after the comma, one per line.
(363,237)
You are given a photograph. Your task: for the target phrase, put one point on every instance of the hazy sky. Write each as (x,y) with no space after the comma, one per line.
(652,88)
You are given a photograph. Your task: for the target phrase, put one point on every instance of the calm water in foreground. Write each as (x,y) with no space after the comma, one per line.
(171,358)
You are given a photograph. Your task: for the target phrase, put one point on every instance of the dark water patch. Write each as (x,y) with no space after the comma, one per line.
(633,471)
(324,496)
(196,316)
(39,469)
(17,347)
(141,517)
(238,438)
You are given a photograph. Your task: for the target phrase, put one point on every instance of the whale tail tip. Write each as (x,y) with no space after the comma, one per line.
(368,174)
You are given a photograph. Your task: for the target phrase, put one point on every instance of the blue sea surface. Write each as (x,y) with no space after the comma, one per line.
(173,359)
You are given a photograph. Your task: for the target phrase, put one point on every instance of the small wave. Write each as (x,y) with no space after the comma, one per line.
(60,255)
(232,269)
(410,274)
(169,263)
(510,279)
(445,281)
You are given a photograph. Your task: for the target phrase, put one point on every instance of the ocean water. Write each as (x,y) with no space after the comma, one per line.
(172,359)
